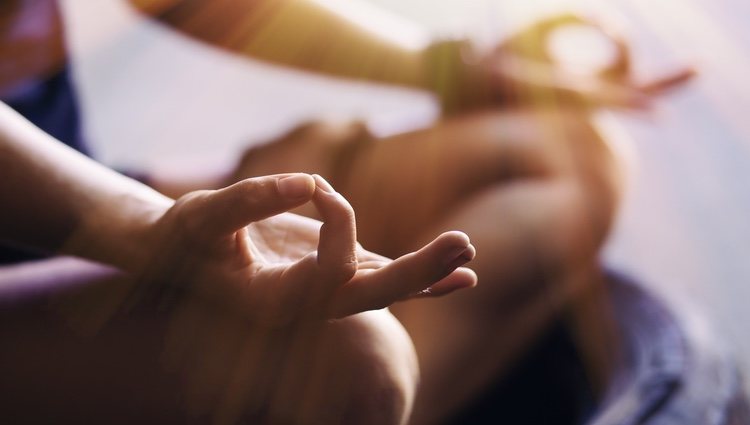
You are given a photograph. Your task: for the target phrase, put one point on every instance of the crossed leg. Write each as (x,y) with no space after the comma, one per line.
(65,359)
(535,191)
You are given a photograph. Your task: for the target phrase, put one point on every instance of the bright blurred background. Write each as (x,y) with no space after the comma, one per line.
(683,228)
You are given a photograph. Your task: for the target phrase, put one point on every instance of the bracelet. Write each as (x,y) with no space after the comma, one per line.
(452,77)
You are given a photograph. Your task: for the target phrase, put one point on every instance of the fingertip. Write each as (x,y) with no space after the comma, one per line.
(458,260)
(470,277)
(456,249)
(470,252)
(666,83)
(296,186)
(690,71)
(323,184)
(455,238)
(461,278)
(331,205)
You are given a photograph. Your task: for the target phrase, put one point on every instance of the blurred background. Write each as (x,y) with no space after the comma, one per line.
(683,228)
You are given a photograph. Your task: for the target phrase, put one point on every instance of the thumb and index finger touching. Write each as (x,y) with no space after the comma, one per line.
(231,209)
(225,211)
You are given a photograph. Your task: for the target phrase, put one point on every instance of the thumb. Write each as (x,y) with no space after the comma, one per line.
(234,207)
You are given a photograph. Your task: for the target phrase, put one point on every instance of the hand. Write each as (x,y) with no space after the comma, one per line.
(521,70)
(271,271)
(270,355)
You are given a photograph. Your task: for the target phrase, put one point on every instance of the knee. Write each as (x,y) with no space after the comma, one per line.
(595,168)
(568,146)
(589,154)
(361,369)
(375,360)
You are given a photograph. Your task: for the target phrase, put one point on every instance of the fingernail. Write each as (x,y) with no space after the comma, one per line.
(295,187)
(323,184)
(463,257)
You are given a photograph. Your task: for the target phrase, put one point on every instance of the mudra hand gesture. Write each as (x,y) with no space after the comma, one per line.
(235,246)
(523,70)
(251,337)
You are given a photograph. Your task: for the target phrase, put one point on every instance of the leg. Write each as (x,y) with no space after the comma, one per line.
(147,367)
(536,192)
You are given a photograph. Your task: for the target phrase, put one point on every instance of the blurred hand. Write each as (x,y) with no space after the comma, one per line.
(522,71)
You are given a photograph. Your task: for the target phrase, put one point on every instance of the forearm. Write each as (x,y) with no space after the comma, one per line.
(298,33)
(57,200)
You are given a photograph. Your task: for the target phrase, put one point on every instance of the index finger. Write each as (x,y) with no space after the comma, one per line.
(337,245)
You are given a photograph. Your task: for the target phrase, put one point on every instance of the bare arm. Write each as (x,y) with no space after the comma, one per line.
(220,243)
(305,35)
(54,198)
(297,33)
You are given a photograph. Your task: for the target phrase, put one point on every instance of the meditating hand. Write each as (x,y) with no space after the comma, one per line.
(271,270)
(250,338)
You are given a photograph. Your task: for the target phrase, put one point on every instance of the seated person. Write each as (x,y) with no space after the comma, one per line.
(533,184)
(515,163)
(236,293)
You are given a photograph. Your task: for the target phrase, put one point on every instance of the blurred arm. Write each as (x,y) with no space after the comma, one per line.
(297,33)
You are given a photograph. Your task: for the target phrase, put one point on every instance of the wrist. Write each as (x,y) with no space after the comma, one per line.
(454,74)
(120,231)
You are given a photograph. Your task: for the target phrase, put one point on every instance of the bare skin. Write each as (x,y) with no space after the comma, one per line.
(517,71)
(201,364)
(537,204)
(537,225)
(224,259)
(535,189)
